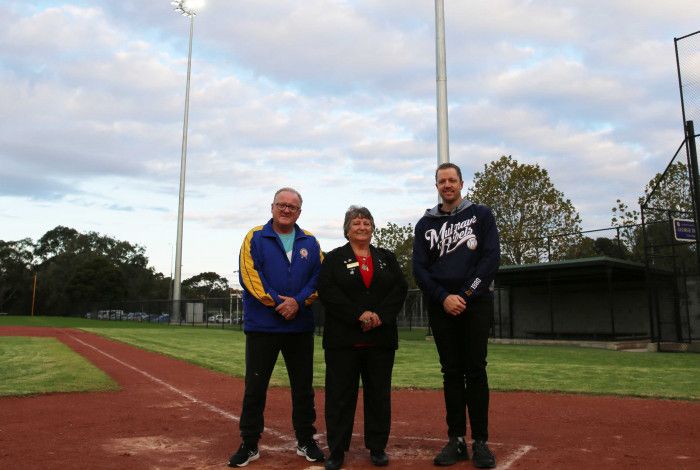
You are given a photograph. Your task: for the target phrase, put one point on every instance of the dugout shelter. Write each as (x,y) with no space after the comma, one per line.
(599,299)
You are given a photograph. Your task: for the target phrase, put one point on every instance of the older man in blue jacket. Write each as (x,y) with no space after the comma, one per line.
(279,266)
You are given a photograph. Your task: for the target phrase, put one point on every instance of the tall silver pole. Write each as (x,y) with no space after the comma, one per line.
(440,56)
(181,202)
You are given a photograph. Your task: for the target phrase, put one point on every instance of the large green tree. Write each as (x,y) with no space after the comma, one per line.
(16,263)
(96,279)
(626,221)
(535,221)
(205,285)
(76,268)
(65,240)
(399,240)
(668,192)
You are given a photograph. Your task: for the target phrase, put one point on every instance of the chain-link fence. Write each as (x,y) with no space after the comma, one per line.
(688,62)
(670,255)
(224,312)
(613,242)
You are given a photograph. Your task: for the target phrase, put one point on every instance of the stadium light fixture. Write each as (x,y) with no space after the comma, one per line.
(187,7)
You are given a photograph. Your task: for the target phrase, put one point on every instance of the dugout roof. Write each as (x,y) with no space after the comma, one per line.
(575,269)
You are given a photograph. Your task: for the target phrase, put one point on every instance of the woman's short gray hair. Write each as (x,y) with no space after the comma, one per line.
(356,212)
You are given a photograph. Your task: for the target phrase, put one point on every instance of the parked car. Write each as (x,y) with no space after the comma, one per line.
(219,318)
(162,318)
(110,314)
(137,316)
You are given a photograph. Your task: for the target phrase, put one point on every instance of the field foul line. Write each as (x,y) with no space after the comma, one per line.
(503,465)
(209,406)
(512,458)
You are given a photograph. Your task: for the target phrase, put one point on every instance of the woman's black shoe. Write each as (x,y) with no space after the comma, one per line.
(379,458)
(334,462)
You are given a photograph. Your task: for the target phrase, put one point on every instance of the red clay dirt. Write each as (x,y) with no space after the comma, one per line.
(173,415)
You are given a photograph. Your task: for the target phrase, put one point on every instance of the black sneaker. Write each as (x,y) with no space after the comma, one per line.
(482,455)
(454,451)
(311,451)
(379,457)
(246,454)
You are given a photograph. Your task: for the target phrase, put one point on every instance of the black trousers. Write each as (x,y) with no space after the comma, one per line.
(344,367)
(261,351)
(462,342)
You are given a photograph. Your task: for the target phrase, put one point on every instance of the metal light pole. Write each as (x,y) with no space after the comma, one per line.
(182,8)
(441,73)
(33,294)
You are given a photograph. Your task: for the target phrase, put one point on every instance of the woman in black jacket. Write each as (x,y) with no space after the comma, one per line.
(362,289)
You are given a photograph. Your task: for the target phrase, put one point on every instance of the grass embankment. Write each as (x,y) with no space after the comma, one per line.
(43,365)
(511,367)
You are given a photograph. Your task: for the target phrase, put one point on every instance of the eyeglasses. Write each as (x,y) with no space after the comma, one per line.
(287,207)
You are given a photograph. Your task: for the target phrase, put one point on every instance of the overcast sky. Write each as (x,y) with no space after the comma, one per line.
(333,97)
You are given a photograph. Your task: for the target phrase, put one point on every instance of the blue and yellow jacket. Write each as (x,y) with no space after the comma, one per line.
(265,273)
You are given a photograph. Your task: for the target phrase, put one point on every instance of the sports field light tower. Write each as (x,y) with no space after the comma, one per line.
(189,9)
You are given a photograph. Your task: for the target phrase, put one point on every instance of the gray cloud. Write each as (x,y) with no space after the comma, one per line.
(336,98)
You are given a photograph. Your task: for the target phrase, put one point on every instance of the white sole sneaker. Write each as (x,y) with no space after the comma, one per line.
(302,453)
(251,458)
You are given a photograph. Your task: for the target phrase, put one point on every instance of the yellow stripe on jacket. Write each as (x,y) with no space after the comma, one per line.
(249,275)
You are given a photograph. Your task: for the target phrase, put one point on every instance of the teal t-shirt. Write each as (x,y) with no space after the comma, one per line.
(288,242)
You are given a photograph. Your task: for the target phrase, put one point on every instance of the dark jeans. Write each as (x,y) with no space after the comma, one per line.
(261,351)
(344,367)
(462,342)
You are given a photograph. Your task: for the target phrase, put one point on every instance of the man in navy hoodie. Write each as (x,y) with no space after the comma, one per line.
(279,265)
(456,253)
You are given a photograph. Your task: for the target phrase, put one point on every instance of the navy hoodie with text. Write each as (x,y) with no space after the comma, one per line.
(456,252)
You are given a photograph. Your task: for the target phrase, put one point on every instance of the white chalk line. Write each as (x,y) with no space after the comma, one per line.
(209,406)
(512,458)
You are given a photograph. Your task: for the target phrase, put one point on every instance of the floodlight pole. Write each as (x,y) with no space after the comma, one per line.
(441,73)
(33,294)
(183,165)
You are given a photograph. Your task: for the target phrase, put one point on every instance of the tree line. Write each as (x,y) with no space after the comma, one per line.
(537,223)
(75,269)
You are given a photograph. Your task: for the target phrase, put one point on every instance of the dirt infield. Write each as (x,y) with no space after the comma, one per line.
(173,415)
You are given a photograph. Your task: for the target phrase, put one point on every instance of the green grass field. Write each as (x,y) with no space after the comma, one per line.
(30,365)
(511,367)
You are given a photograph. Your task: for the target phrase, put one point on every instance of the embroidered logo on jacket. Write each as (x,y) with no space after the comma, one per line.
(451,236)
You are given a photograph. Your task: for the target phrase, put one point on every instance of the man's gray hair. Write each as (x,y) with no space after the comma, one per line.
(288,190)
(356,212)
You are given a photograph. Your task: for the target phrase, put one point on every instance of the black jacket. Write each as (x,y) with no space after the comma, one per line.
(345,298)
